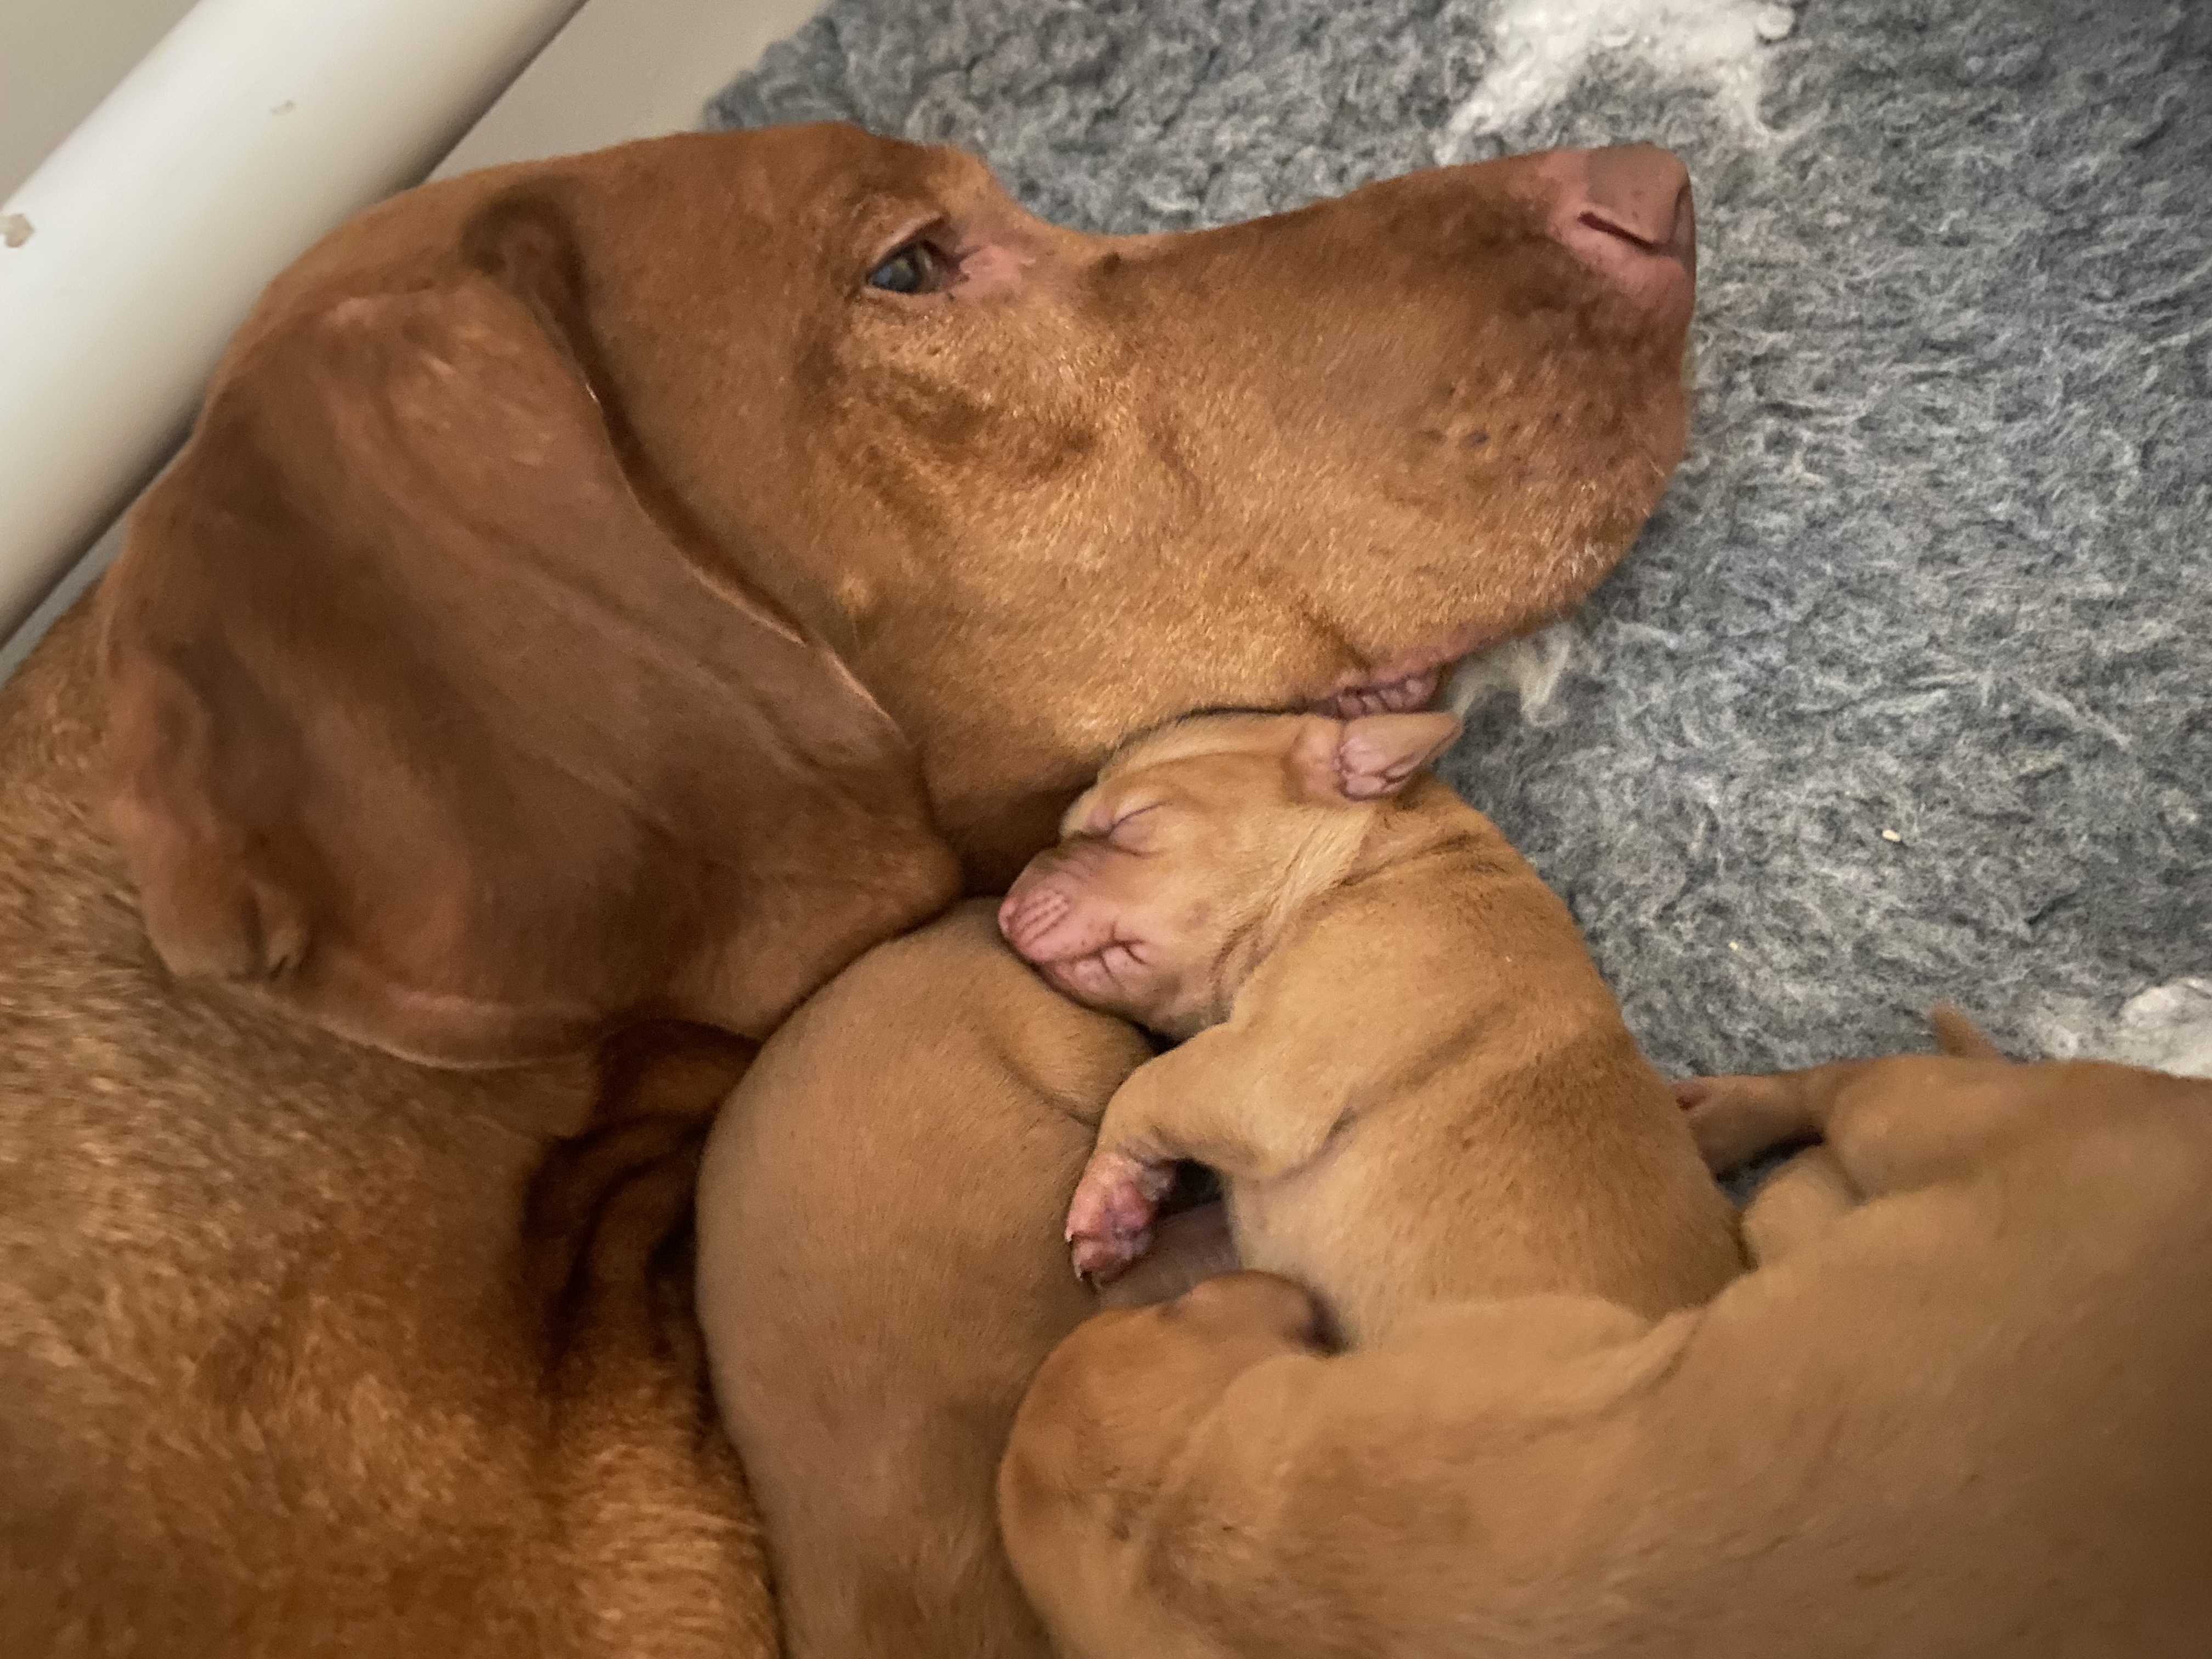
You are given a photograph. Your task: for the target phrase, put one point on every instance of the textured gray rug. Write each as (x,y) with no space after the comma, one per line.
(1907,693)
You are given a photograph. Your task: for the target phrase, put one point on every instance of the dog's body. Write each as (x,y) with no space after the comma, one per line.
(1966,1416)
(282,1312)
(879,1278)
(1402,1057)
(591,599)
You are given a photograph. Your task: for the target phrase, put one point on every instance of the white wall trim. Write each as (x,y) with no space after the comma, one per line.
(128,258)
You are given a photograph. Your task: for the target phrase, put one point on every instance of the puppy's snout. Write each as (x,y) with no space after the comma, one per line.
(1032,910)
(1051,911)
(1626,209)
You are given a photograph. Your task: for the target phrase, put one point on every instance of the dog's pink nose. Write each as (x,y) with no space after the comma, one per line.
(1641,194)
(1627,210)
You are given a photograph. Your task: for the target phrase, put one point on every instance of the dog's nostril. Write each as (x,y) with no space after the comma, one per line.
(1597,220)
(1679,241)
(1639,192)
(1627,210)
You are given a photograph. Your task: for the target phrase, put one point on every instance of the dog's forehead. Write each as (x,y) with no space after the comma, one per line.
(791,187)
(868,169)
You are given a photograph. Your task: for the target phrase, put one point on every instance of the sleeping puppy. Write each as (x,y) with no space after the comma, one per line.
(1400,1054)
(878,1281)
(1959,1410)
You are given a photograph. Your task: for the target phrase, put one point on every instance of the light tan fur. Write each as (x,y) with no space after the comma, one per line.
(879,1278)
(1401,1058)
(1966,1416)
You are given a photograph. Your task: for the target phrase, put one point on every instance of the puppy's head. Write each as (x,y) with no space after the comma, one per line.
(1100,1424)
(1176,872)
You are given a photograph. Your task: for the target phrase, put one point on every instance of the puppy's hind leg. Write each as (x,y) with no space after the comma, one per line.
(1890,1124)
(1736,1119)
(1799,1202)
(1957,1035)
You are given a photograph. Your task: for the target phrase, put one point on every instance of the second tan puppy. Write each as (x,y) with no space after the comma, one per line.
(878,1281)
(1400,1053)
(1959,1410)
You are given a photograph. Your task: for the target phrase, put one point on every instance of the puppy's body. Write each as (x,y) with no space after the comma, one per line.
(879,1279)
(1446,1103)
(1418,1088)
(1967,1418)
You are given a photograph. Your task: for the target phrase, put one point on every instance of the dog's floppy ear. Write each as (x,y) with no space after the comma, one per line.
(422,719)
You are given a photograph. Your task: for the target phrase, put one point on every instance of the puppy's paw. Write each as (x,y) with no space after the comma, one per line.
(1188,1247)
(1736,1119)
(1110,1221)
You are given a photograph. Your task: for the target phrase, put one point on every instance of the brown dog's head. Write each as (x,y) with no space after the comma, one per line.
(1179,869)
(1043,489)
(594,586)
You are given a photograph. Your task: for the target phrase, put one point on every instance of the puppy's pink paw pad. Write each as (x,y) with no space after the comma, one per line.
(1110,1220)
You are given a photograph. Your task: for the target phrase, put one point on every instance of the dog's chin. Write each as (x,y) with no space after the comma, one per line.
(1399,684)
(1402,695)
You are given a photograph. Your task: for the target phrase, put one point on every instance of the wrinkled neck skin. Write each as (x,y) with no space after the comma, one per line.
(1350,845)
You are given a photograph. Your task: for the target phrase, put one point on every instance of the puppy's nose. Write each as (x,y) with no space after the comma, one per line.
(1029,912)
(1626,209)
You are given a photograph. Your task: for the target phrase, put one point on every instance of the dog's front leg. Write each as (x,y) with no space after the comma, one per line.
(1200,1101)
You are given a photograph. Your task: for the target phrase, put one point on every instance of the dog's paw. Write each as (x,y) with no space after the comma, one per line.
(1110,1220)
(1735,1119)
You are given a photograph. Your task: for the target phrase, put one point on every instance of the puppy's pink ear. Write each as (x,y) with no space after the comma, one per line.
(1372,757)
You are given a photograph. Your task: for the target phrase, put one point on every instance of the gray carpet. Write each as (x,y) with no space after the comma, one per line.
(1905,694)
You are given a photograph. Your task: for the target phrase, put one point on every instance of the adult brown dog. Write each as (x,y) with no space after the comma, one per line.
(621,588)
(1401,1056)
(880,1276)
(1960,1413)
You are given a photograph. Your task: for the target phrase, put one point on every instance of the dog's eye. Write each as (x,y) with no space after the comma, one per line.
(1134,823)
(917,268)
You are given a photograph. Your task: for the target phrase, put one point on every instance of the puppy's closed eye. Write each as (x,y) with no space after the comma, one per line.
(1125,824)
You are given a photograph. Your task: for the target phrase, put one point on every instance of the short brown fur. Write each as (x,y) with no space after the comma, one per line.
(1961,1414)
(880,1276)
(584,609)
(1403,1061)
